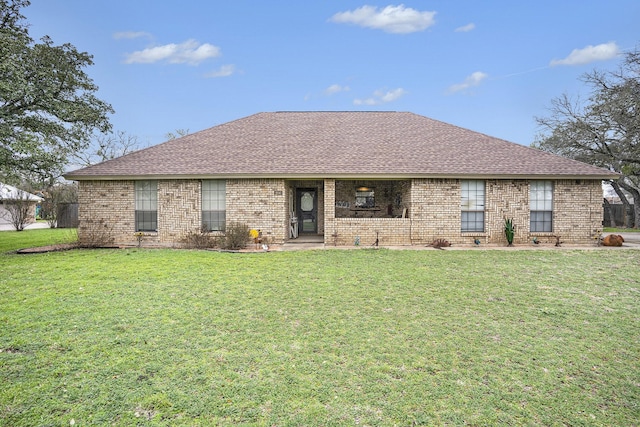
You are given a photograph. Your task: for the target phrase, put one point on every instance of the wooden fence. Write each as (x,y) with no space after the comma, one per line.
(614,215)
(67,215)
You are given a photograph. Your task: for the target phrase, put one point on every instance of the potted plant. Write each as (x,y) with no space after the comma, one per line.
(509,230)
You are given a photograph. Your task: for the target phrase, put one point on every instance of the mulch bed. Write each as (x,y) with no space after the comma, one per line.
(50,248)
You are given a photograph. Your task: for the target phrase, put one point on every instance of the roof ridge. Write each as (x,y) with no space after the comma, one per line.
(337,111)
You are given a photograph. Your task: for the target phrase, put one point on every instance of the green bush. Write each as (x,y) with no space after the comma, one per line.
(509,230)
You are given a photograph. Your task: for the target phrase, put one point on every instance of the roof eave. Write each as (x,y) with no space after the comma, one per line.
(316,176)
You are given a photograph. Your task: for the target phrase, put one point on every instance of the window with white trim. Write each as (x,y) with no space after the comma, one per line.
(214,194)
(541,206)
(472,205)
(146,194)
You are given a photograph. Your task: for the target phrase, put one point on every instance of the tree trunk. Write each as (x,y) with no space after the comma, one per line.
(636,208)
(612,218)
(628,217)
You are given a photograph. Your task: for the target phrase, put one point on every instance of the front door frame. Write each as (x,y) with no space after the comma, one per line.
(314,212)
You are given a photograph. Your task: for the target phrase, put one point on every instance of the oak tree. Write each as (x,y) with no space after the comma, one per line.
(603,131)
(48,104)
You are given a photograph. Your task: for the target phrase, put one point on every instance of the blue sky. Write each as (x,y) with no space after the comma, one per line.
(487,66)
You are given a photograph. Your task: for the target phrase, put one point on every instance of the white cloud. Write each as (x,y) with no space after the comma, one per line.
(190,52)
(131,35)
(473,80)
(392,19)
(336,89)
(223,71)
(601,52)
(466,28)
(381,97)
(392,95)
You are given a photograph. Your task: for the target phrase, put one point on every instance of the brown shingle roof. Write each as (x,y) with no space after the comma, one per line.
(337,145)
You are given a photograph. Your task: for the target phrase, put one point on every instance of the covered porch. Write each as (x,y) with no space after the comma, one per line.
(369,213)
(347,212)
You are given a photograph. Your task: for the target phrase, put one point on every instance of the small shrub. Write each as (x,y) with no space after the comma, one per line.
(235,237)
(96,234)
(199,239)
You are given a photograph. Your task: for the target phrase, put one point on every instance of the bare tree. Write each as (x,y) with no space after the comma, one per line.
(19,209)
(604,131)
(177,134)
(105,147)
(54,196)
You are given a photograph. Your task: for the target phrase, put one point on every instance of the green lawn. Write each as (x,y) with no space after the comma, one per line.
(335,337)
(12,240)
(621,230)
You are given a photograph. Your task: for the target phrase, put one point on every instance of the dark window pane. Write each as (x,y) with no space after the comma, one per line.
(541,222)
(214,220)
(146,220)
(472,221)
(213,204)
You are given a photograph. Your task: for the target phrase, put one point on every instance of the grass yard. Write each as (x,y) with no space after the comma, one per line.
(12,240)
(621,230)
(335,337)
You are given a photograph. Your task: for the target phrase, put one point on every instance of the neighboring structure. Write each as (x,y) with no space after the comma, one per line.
(401,178)
(10,195)
(67,215)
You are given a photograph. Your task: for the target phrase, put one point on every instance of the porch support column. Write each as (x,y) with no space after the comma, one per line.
(329,210)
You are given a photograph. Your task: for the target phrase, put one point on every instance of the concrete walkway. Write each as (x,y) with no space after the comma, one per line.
(629,237)
(35,225)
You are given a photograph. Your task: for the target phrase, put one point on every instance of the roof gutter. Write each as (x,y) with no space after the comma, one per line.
(351,176)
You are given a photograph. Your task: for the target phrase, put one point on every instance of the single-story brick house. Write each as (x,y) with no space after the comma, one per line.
(398,177)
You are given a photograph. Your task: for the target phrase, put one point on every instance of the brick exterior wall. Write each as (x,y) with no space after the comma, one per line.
(179,210)
(435,210)
(435,213)
(505,199)
(578,211)
(108,208)
(261,204)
